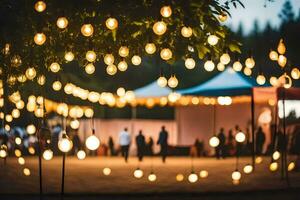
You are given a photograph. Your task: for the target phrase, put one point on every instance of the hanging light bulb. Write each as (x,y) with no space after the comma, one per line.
(26,171)
(56,85)
(166,54)
(248,169)
(220,67)
(152,177)
(92,142)
(240,137)
(8,118)
(40,6)
(15,113)
(106,171)
(30,73)
(273,166)
(281,47)
(273,55)
(111,70)
(87,30)
(295,73)
(260,79)
(138,173)
(214,141)
(65,144)
(39,38)
(150,48)
(3,151)
(203,174)
(274,81)
(122,66)
(89,68)
(22,78)
(209,65)
(90,56)
(136,60)
(74,124)
(54,67)
(179,177)
(247,71)
(20,104)
(250,63)
(111,23)
(282,60)
(225,58)
(48,154)
(166,11)
(41,80)
(173,82)
(62,22)
(236,175)
(162,81)
(81,155)
(222,17)
(286,81)
(186,31)
(30,129)
(276,155)
(193,177)
(159,28)
(291,166)
(69,56)
(190,63)
(123,51)
(212,40)
(258,160)
(237,66)
(109,59)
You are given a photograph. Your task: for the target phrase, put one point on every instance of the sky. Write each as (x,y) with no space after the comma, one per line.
(254,9)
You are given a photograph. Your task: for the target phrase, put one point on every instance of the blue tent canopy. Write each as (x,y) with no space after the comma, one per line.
(227,83)
(152,90)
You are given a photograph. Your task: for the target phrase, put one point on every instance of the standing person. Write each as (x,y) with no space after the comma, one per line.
(260,140)
(141,145)
(76,142)
(111,146)
(124,142)
(220,149)
(150,144)
(230,143)
(163,142)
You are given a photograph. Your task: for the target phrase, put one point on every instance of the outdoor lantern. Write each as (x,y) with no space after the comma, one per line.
(69,56)
(214,141)
(281,47)
(62,22)
(225,58)
(40,6)
(166,54)
(186,31)
(81,155)
(39,38)
(90,56)
(111,69)
(56,85)
(250,62)
(48,154)
(26,172)
(152,177)
(282,60)
(87,30)
(273,166)
(138,173)
(220,67)
(295,73)
(193,177)
(109,59)
(111,23)
(31,129)
(209,65)
(240,137)
(273,55)
(212,40)
(276,155)
(150,48)
(41,80)
(291,166)
(159,28)
(136,60)
(166,11)
(162,81)
(92,142)
(54,67)
(203,174)
(89,68)
(122,66)
(260,79)
(237,66)
(106,171)
(123,51)
(190,63)
(248,169)
(236,175)
(30,73)
(179,177)
(173,82)
(65,144)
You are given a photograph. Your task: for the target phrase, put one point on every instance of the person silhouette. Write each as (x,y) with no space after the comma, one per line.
(220,149)
(111,146)
(124,142)
(260,140)
(163,142)
(141,145)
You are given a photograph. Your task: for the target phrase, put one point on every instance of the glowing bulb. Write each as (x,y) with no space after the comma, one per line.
(209,65)
(109,59)
(62,22)
(136,60)
(69,56)
(90,56)
(65,144)
(282,60)
(166,11)
(89,68)
(159,28)
(222,17)
(225,58)
(92,142)
(214,141)
(273,55)
(3,153)
(220,67)
(111,70)
(190,63)
(39,38)
(179,177)
(31,150)
(18,140)
(123,51)
(106,171)
(193,177)
(31,129)
(240,137)
(30,73)
(162,81)
(248,169)
(54,67)
(186,32)
(15,113)
(258,160)
(291,166)
(87,30)
(56,85)
(122,66)
(26,172)
(173,82)
(203,174)
(8,118)
(295,73)
(166,54)
(260,79)
(48,154)
(74,124)
(111,23)
(276,155)
(150,48)
(152,177)
(138,173)
(212,40)
(81,155)
(237,66)
(41,80)
(18,153)
(247,71)
(281,47)
(273,166)
(40,6)
(250,62)
(236,175)
(121,92)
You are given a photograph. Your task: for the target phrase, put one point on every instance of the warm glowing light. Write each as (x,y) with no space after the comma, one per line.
(31,129)
(56,85)
(54,67)
(90,56)
(111,23)
(282,60)
(40,6)
(261,79)
(276,155)
(248,169)
(8,118)
(258,160)
(166,54)
(111,70)
(69,56)
(21,161)
(281,47)
(74,124)
(166,11)
(179,177)
(152,177)
(106,171)
(190,63)
(295,73)
(209,65)
(15,113)
(18,140)
(30,73)
(291,166)
(212,40)
(18,153)
(138,173)
(31,150)
(65,144)
(193,177)
(240,137)
(250,62)
(225,58)
(203,174)
(150,48)
(81,155)
(3,153)
(92,142)
(173,82)
(90,68)
(274,81)
(123,51)
(214,141)
(162,81)
(39,38)
(222,17)
(109,59)
(48,154)
(136,60)
(26,172)
(122,66)
(41,80)
(87,30)
(237,66)
(236,175)
(62,22)
(273,55)
(186,31)
(273,166)
(159,28)
(220,67)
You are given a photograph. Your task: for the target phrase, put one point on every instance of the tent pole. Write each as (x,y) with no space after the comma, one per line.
(252,127)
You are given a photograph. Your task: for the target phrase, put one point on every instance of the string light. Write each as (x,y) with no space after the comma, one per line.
(203,174)
(26,172)
(186,32)
(236,175)
(122,66)
(150,48)
(240,137)
(250,63)
(111,69)
(152,177)
(69,56)
(276,155)
(90,68)
(111,23)
(220,67)
(65,144)
(260,79)
(106,171)
(190,63)
(40,6)
(212,40)
(173,82)
(166,54)
(39,38)
(225,58)
(87,30)
(31,129)
(62,22)
(136,60)
(54,67)
(138,173)
(81,155)
(193,177)
(273,55)
(209,65)
(41,80)
(248,169)
(92,142)
(90,56)
(30,73)
(179,177)
(56,85)
(291,166)
(162,81)
(281,47)
(109,59)
(273,166)
(237,66)
(48,154)
(282,60)
(166,11)
(214,141)
(159,28)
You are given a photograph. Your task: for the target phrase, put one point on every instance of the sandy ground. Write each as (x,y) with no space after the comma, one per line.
(85,177)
